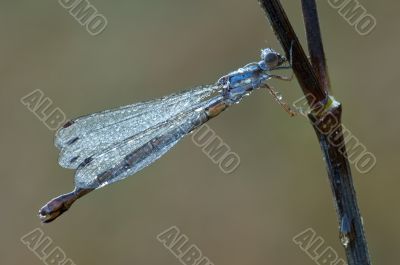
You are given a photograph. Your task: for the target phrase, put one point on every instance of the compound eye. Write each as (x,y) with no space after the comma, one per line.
(271,60)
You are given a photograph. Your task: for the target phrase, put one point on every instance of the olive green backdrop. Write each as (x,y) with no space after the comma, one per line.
(153,48)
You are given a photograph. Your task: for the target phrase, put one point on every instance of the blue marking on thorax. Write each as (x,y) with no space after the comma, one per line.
(241,82)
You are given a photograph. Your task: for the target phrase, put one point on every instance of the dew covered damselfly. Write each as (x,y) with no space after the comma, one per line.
(109,146)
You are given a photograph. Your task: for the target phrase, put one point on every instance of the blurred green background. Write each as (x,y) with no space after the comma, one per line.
(153,48)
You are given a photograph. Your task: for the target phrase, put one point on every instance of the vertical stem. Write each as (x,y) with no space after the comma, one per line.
(330,136)
(326,122)
(314,41)
(290,43)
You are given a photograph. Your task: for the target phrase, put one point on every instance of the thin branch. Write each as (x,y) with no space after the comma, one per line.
(302,68)
(326,122)
(314,41)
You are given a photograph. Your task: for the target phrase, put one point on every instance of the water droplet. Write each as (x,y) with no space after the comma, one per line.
(345,240)
(279,96)
(345,230)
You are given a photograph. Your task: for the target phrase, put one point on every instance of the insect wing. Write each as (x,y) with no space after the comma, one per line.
(136,152)
(82,138)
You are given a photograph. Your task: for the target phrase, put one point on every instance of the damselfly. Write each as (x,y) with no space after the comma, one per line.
(109,146)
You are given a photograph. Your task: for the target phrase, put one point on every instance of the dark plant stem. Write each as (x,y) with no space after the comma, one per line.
(292,47)
(314,41)
(325,117)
